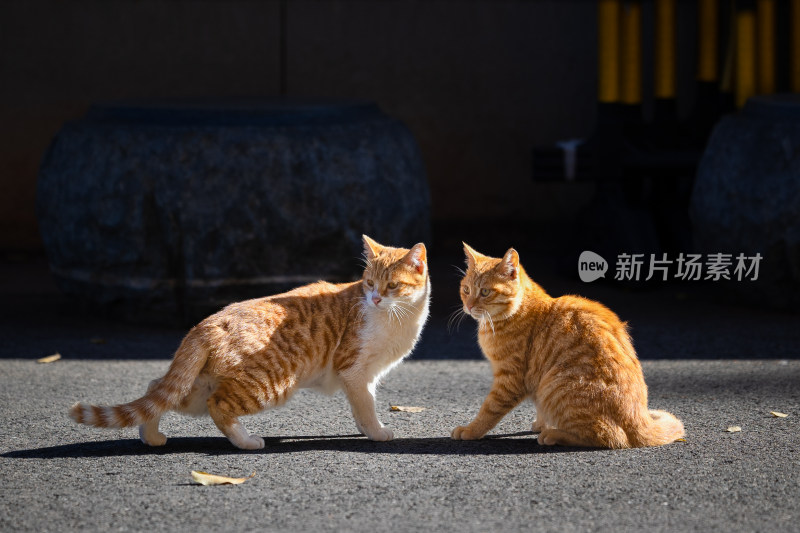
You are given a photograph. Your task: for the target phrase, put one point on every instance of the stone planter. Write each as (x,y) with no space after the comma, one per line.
(168,210)
(746,197)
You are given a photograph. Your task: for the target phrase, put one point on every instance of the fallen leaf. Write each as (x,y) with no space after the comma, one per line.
(50,358)
(204,478)
(776,414)
(733,429)
(97,340)
(680,440)
(407,409)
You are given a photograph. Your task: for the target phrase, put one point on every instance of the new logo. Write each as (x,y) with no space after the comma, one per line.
(591,266)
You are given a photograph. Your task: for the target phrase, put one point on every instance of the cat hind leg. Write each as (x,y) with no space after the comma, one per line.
(550,437)
(225,406)
(149,434)
(596,436)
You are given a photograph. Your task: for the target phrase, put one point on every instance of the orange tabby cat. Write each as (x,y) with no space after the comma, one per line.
(254,354)
(573,357)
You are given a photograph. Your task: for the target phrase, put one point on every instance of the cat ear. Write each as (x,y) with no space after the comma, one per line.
(471,255)
(416,257)
(371,248)
(509,265)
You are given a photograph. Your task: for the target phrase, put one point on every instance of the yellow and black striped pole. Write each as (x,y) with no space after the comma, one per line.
(630,83)
(707,99)
(765,15)
(794,56)
(665,64)
(608,51)
(707,39)
(745,64)
(631,53)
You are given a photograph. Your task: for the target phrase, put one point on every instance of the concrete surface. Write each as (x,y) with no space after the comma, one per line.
(316,475)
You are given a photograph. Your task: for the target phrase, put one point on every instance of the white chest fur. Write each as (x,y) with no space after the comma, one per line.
(385,339)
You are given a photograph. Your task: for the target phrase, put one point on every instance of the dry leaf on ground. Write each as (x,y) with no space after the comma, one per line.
(204,478)
(406,409)
(733,429)
(776,414)
(50,358)
(680,440)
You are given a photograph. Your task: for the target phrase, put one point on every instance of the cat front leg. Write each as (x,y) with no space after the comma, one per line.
(362,403)
(501,399)
(540,423)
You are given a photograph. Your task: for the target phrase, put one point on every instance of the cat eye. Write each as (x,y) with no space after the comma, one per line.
(370,283)
(392,285)
(465,289)
(485,292)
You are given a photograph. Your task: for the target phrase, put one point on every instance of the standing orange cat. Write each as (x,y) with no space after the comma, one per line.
(573,357)
(253,355)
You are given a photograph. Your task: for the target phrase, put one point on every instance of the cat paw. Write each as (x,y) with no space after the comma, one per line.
(545,440)
(464,433)
(152,439)
(537,426)
(381,435)
(251,443)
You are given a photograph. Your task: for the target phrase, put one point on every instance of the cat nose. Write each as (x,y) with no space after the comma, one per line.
(376,299)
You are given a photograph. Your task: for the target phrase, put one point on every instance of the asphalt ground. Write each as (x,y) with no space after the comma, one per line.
(713,364)
(316,474)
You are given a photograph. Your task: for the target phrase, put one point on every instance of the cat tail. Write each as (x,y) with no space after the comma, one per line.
(162,394)
(663,428)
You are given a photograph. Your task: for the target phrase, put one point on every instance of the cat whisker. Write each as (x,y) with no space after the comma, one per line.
(402,311)
(456,317)
(451,319)
(398,314)
(364,260)
(360,303)
(452,323)
(460,270)
(406,307)
(390,311)
(393,314)
(489,318)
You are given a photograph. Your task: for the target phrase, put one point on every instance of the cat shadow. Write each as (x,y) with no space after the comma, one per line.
(503,444)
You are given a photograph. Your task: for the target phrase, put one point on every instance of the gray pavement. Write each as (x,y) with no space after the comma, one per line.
(315,474)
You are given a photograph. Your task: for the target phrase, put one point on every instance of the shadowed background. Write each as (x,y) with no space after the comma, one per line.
(479,83)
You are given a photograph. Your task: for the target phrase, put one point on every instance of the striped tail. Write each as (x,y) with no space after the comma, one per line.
(664,429)
(162,394)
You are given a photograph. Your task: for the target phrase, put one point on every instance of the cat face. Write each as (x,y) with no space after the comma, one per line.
(394,278)
(490,289)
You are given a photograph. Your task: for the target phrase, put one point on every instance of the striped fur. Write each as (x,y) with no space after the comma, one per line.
(254,355)
(571,356)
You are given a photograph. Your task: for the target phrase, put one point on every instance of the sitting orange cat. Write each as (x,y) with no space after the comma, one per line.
(573,357)
(253,355)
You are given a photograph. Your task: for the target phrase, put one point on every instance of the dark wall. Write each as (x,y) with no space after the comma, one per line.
(479,82)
